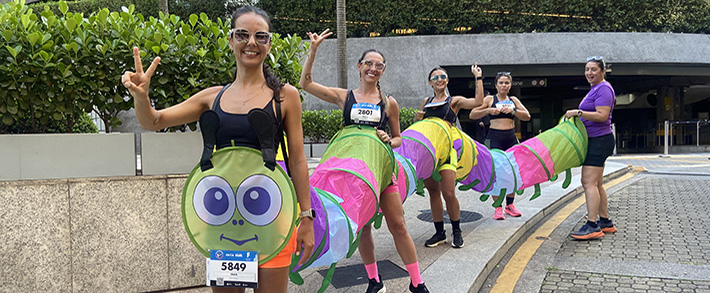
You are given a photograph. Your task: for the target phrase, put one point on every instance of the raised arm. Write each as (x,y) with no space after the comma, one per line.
(138,85)
(484,109)
(460,102)
(329,94)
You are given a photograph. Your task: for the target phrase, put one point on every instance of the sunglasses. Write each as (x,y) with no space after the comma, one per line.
(504,73)
(595,58)
(439,77)
(369,64)
(242,36)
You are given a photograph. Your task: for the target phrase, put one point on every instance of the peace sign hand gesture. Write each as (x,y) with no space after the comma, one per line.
(316,39)
(138,82)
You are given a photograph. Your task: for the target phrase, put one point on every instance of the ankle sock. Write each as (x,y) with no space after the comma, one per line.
(413,269)
(455,225)
(372,271)
(592,224)
(509,200)
(439,227)
(604,220)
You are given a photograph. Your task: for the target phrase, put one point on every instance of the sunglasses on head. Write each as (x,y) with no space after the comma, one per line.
(438,77)
(504,73)
(595,58)
(369,64)
(242,36)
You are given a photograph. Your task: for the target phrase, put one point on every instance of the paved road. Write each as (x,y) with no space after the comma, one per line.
(662,244)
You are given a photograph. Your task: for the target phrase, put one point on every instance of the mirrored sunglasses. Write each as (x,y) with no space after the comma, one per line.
(438,77)
(369,64)
(595,58)
(242,36)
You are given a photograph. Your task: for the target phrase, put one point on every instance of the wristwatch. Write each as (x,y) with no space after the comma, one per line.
(310,213)
(579,113)
(479,77)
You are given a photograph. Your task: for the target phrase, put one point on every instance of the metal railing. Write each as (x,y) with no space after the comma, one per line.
(684,134)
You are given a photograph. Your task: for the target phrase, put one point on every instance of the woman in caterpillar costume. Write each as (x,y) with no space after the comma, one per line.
(367,107)
(255,89)
(446,107)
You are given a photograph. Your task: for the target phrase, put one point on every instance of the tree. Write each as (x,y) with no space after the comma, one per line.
(341,34)
(163,4)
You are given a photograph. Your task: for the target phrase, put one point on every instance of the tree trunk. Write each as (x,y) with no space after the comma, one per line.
(341,33)
(163,4)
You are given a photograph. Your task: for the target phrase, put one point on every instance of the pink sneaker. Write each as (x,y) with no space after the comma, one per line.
(498,215)
(512,211)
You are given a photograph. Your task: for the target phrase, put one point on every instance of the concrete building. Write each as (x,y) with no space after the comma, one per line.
(656,76)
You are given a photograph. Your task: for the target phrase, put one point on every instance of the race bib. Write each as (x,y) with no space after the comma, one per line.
(434,105)
(505,104)
(365,112)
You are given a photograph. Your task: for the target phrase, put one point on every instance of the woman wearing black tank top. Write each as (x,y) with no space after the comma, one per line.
(503,109)
(371,66)
(254,86)
(443,106)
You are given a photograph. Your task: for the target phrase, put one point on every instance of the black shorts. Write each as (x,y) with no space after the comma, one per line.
(502,139)
(599,149)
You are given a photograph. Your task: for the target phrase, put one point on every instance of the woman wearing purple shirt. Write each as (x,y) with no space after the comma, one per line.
(595,112)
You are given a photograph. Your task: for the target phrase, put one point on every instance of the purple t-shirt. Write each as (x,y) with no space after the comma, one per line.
(601,94)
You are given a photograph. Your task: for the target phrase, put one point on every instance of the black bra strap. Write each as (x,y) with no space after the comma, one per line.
(219,96)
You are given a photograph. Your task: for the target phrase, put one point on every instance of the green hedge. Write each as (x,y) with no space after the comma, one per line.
(319,126)
(426,17)
(59,67)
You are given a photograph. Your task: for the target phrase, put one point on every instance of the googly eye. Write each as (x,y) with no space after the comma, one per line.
(259,200)
(214,200)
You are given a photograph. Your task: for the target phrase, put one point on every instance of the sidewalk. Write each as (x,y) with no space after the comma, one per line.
(445,268)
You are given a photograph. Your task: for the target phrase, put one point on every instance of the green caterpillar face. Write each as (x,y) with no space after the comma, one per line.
(239,205)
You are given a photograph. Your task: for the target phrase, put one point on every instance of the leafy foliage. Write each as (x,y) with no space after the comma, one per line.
(59,67)
(321,125)
(427,17)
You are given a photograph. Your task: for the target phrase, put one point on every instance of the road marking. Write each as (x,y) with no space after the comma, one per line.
(512,271)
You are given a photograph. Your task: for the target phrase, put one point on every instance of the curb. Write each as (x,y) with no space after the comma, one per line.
(532,222)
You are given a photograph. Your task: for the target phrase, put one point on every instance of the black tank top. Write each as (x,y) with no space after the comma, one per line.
(236,127)
(442,111)
(501,115)
(362,111)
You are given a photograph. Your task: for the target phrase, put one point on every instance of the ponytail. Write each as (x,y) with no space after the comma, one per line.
(383,98)
(273,82)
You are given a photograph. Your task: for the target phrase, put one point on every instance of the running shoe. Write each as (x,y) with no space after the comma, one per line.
(376,287)
(437,239)
(512,211)
(606,228)
(498,215)
(458,239)
(421,288)
(587,232)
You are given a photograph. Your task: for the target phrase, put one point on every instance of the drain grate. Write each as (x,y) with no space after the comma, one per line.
(466,216)
(354,275)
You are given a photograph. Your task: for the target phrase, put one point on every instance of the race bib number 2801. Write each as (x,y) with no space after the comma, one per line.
(231,268)
(365,112)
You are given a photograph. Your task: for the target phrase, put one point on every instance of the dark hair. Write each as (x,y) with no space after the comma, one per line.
(435,69)
(501,74)
(383,97)
(272,81)
(370,51)
(600,62)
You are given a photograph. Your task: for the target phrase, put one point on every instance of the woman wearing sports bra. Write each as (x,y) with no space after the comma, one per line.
(446,107)
(254,87)
(385,112)
(502,109)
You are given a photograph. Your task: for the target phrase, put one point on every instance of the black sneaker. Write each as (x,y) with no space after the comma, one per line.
(374,287)
(437,239)
(606,228)
(421,288)
(587,232)
(458,239)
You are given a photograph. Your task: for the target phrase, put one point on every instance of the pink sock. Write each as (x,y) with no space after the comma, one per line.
(372,271)
(413,269)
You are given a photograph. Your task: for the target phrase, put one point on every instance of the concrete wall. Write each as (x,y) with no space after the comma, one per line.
(44,156)
(170,153)
(119,234)
(410,58)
